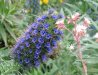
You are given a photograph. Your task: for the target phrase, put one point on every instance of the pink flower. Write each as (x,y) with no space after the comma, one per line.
(79,31)
(80,28)
(70,21)
(60,24)
(86,22)
(76,16)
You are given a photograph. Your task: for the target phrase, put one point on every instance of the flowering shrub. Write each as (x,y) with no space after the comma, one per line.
(39,40)
(78,32)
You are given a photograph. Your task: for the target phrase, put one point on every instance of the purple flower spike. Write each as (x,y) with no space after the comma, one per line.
(39,19)
(36,56)
(47,44)
(56,31)
(49,50)
(44,16)
(43,33)
(20,61)
(18,52)
(41,40)
(18,56)
(44,58)
(34,25)
(27,60)
(54,42)
(30,51)
(27,36)
(46,25)
(55,17)
(60,32)
(34,39)
(38,45)
(22,40)
(48,36)
(38,41)
(58,38)
(27,44)
(16,46)
(36,63)
(34,32)
(21,47)
(38,51)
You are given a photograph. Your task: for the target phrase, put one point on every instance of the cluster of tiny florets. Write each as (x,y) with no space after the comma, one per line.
(39,40)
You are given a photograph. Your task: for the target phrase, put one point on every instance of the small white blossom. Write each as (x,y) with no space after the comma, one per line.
(79,31)
(71,47)
(80,28)
(60,21)
(96,35)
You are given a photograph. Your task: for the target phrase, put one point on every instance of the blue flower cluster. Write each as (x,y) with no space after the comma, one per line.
(38,41)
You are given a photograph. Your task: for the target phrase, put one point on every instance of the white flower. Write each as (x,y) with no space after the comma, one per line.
(80,28)
(96,35)
(71,47)
(60,21)
(79,31)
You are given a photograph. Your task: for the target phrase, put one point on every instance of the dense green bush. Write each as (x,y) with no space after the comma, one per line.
(8,19)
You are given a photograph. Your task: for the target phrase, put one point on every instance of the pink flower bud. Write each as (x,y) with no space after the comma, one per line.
(70,21)
(86,22)
(76,16)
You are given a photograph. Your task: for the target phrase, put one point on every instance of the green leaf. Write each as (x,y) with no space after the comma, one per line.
(3,34)
(35,72)
(10,30)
